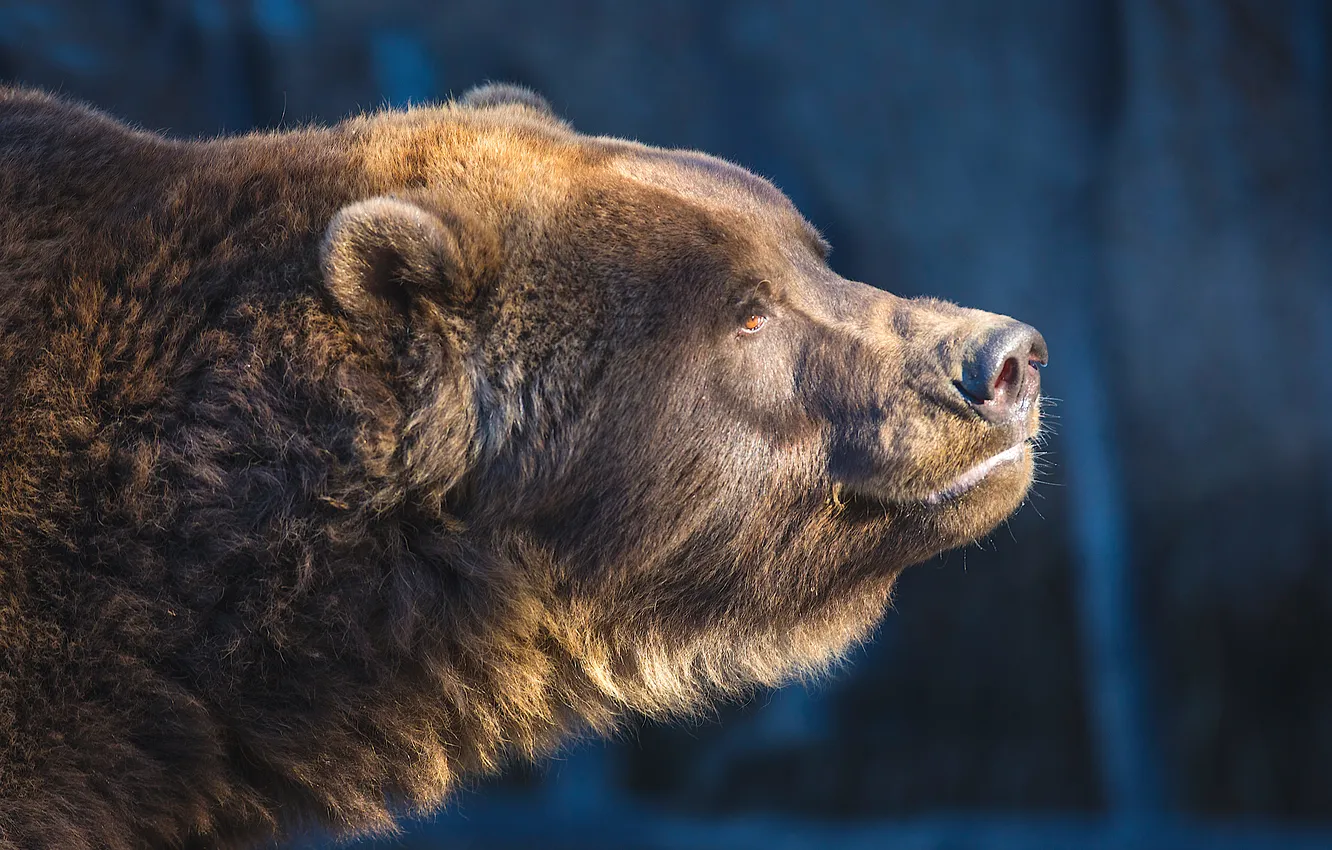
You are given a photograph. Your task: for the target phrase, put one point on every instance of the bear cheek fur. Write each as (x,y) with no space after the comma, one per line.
(716,592)
(695,551)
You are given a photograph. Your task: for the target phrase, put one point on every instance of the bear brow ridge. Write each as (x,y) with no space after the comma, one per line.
(723,183)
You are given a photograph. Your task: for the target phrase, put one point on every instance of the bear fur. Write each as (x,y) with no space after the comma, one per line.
(342,462)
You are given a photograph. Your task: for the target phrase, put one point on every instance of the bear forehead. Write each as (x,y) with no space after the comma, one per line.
(717,186)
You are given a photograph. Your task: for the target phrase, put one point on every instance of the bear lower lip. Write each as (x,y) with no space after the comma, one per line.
(976,474)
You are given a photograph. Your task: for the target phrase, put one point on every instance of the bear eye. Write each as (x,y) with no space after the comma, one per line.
(753,324)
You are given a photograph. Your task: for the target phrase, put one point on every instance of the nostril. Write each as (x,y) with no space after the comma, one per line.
(999,370)
(1008,376)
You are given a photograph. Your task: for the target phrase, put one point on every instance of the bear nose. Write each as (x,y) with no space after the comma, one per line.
(999,375)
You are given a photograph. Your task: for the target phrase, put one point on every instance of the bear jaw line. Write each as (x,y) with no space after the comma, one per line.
(978,473)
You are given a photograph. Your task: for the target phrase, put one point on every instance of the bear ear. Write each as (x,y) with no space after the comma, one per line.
(380,255)
(386,262)
(492,95)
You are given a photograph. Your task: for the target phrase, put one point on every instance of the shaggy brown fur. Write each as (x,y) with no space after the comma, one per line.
(338,463)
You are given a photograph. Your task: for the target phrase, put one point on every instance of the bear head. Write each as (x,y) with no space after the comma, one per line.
(634,373)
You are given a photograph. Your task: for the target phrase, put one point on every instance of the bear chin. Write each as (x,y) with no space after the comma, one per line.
(949,517)
(959,519)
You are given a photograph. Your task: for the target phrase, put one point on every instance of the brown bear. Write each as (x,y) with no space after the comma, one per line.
(339,463)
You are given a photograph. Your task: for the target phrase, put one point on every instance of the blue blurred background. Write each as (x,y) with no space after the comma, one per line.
(1143,656)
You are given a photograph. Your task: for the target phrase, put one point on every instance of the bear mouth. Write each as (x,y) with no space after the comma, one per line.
(971,478)
(859,502)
